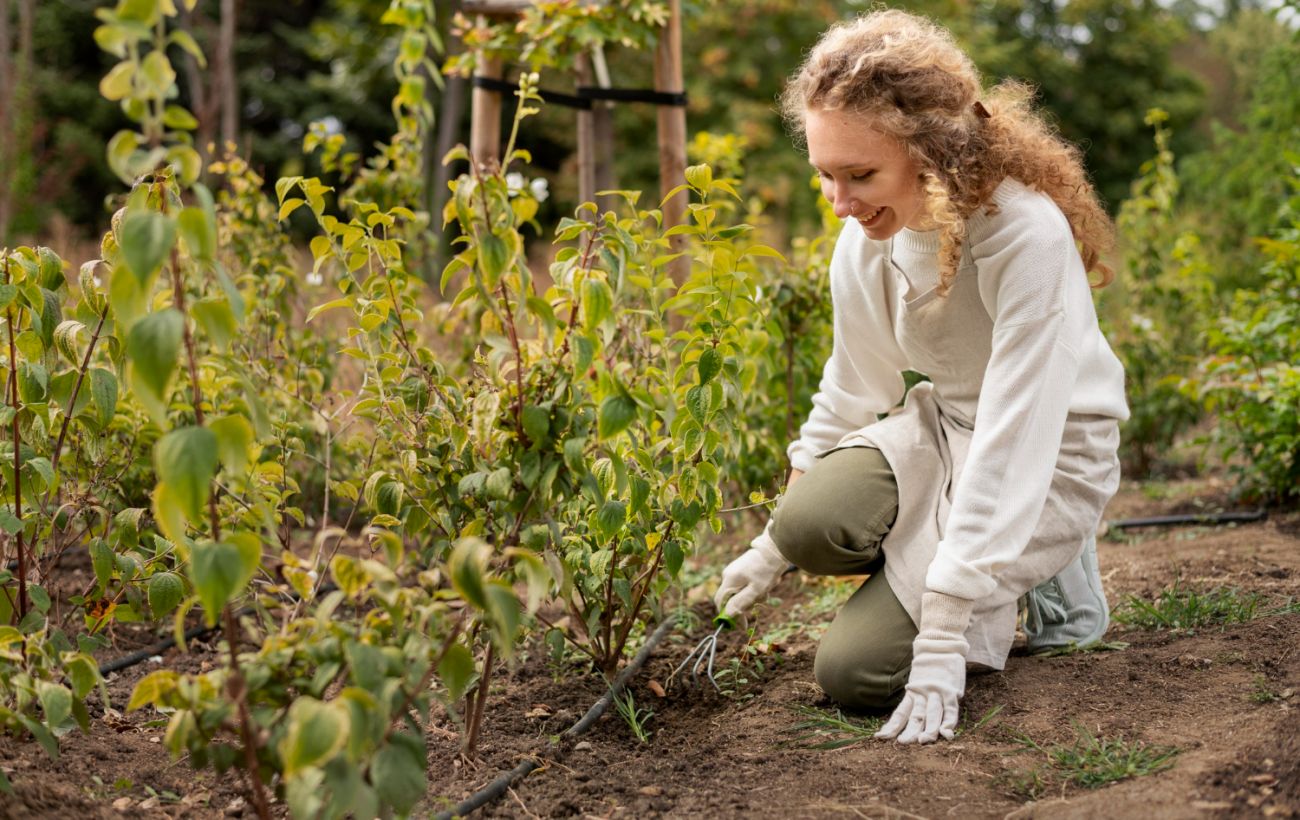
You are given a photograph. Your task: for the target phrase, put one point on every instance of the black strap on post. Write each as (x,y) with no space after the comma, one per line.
(587,95)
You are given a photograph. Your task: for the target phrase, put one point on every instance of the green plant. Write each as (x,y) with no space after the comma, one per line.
(1153,326)
(1178,608)
(823,730)
(1092,761)
(634,716)
(1251,379)
(1075,649)
(1262,692)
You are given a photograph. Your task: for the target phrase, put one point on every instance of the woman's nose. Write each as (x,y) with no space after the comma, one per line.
(843,206)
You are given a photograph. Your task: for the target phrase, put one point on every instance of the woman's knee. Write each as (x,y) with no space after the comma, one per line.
(864,679)
(833,519)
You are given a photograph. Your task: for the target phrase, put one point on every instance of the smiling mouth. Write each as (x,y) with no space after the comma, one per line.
(871,217)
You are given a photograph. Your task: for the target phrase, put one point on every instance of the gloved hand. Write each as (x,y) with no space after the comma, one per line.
(938,677)
(750,576)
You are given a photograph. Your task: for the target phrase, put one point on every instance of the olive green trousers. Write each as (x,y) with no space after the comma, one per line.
(832,522)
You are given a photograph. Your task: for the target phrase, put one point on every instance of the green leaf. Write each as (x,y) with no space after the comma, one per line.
(65,339)
(221,570)
(710,364)
(697,403)
(186,460)
(597,302)
(467,567)
(616,413)
(153,346)
(319,309)
(56,701)
(116,84)
(234,437)
(104,561)
(199,233)
(399,772)
(82,672)
(217,320)
(146,238)
(456,670)
(494,255)
(317,731)
(611,518)
(177,117)
(103,394)
(537,423)
(152,688)
(165,592)
(40,598)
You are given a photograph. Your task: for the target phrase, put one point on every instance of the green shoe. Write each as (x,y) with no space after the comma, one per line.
(1069,608)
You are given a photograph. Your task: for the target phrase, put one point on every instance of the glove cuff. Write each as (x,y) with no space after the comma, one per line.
(764,546)
(944,619)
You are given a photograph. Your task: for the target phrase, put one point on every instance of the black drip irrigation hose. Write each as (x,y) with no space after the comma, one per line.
(1191,518)
(498,787)
(191,634)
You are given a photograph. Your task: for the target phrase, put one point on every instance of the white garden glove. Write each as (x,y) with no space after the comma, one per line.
(938,677)
(750,576)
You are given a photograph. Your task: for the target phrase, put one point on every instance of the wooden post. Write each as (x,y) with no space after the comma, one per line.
(672,132)
(485,118)
(602,117)
(586,135)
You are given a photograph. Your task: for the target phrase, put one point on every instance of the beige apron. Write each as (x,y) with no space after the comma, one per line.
(926,443)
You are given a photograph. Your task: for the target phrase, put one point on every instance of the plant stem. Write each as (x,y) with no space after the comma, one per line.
(427,678)
(475,720)
(237,691)
(76,390)
(18,463)
(519,365)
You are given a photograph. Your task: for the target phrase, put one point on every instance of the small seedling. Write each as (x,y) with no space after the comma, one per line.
(982,722)
(1093,762)
(830,730)
(635,718)
(1183,609)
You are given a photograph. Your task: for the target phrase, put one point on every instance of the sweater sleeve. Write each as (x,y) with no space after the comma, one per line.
(1033,284)
(863,376)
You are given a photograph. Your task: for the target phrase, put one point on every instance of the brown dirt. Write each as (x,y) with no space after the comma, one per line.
(716,756)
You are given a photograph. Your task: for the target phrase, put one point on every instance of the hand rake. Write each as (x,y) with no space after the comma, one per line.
(703,655)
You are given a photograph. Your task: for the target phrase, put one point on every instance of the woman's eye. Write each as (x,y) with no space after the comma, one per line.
(861,176)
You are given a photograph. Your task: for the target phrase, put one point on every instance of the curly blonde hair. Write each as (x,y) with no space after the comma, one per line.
(917,85)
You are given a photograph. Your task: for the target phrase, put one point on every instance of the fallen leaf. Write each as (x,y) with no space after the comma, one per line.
(657,688)
(539,710)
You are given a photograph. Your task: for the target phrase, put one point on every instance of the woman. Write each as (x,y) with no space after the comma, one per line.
(970,232)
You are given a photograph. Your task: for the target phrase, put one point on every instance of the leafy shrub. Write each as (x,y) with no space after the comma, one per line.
(1251,379)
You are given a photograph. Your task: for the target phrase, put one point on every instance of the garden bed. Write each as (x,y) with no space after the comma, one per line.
(1223,697)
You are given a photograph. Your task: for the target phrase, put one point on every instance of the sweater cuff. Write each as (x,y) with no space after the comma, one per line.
(958,579)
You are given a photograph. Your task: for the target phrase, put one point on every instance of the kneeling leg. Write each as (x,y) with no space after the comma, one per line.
(865,657)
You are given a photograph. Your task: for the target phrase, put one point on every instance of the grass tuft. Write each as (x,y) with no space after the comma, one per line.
(1075,649)
(1183,609)
(1093,762)
(825,730)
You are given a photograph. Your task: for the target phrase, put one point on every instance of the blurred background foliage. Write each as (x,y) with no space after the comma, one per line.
(1201,211)
(1100,64)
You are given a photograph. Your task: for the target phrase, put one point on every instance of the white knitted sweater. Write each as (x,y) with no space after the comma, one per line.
(1009,364)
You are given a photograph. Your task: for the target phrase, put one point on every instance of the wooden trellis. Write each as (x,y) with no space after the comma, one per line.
(594,121)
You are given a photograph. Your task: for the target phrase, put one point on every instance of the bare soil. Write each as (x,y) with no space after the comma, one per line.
(1224,697)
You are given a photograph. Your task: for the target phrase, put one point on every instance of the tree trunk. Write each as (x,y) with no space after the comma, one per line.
(202,104)
(228,88)
(6,119)
(672,134)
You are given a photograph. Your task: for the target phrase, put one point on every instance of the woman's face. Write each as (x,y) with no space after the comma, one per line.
(865,174)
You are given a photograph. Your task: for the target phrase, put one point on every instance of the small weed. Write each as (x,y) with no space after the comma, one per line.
(1262,692)
(1030,784)
(830,730)
(635,718)
(1184,609)
(982,722)
(1093,762)
(1075,649)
